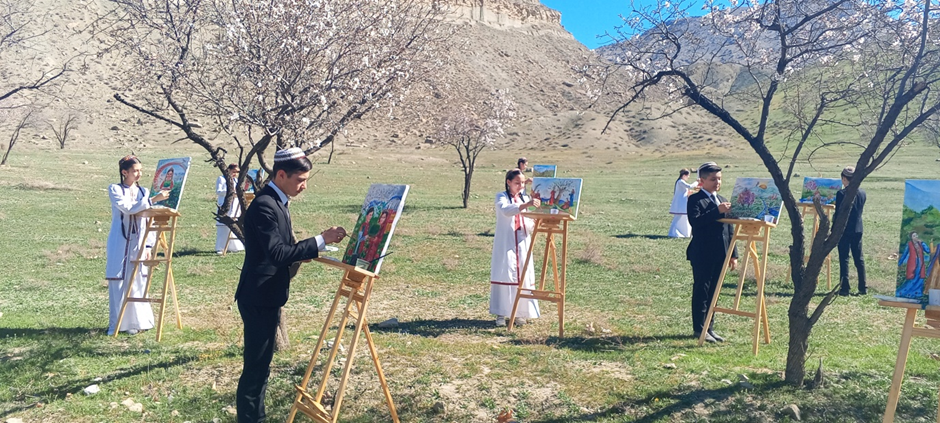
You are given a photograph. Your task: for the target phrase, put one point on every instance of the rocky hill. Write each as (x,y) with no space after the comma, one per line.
(517,45)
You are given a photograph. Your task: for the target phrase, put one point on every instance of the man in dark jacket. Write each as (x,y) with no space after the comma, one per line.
(263,287)
(709,245)
(852,237)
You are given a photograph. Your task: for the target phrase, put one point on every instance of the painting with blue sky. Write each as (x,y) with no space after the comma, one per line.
(171,176)
(558,195)
(755,198)
(920,234)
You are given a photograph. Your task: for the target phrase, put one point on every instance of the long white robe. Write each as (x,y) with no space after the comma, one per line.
(680,227)
(222,232)
(124,244)
(511,242)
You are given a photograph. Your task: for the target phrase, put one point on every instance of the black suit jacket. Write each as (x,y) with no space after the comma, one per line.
(710,238)
(854,226)
(269,252)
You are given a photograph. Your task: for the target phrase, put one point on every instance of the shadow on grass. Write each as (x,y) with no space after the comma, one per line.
(602,343)
(435,328)
(55,345)
(190,252)
(678,402)
(631,236)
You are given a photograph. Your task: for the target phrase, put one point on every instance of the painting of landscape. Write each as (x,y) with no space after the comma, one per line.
(823,188)
(558,195)
(755,198)
(543,171)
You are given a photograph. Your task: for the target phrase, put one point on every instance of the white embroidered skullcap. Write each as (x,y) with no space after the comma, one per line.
(286,154)
(707,164)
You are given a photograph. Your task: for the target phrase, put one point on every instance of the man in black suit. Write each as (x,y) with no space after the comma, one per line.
(709,245)
(852,237)
(270,252)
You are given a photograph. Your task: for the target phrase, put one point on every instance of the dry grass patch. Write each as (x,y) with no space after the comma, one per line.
(42,186)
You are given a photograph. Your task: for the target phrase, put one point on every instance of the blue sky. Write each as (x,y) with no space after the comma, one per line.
(588,18)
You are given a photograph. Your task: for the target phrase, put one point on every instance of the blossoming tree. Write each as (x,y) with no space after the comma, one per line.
(867,67)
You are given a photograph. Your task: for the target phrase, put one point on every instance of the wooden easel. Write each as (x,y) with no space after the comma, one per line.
(808,209)
(231,235)
(162,222)
(930,330)
(549,224)
(356,287)
(749,232)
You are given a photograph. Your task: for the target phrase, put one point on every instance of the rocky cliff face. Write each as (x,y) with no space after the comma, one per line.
(528,16)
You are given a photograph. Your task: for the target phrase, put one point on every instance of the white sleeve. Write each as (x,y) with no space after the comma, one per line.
(127,204)
(505,206)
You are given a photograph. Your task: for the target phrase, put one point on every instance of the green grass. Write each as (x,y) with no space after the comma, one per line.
(625,279)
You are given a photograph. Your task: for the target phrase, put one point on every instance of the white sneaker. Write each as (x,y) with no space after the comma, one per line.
(132,331)
(519,321)
(500,321)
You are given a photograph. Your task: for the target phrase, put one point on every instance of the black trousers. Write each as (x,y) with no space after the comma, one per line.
(851,242)
(705,275)
(260,330)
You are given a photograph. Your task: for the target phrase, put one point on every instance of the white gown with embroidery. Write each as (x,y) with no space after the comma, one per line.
(221,231)
(681,228)
(124,244)
(511,242)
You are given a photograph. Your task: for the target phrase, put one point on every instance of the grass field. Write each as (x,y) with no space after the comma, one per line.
(626,280)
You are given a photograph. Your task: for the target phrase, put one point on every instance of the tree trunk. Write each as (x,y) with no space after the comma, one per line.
(281,341)
(330,158)
(7,153)
(466,187)
(796,353)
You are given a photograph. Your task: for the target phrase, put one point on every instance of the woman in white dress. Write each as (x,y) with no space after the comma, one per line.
(221,231)
(680,227)
(128,199)
(511,243)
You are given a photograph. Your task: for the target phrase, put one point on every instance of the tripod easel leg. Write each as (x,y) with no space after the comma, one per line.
(316,352)
(899,366)
(525,267)
(378,369)
(742,268)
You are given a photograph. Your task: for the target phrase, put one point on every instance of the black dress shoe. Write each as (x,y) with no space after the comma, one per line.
(843,293)
(708,337)
(715,335)
(862,292)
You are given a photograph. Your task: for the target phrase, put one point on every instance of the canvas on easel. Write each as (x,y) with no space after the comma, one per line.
(170,175)
(557,195)
(254,175)
(917,249)
(756,199)
(370,237)
(823,188)
(543,171)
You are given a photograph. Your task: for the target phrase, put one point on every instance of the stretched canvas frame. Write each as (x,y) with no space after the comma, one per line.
(253,175)
(170,175)
(369,239)
(824,188)
(558,195)
(543,171)
(918,241)
(756,198)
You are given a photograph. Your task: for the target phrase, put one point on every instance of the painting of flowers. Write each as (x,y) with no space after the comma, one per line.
(823,188)
(755,198)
